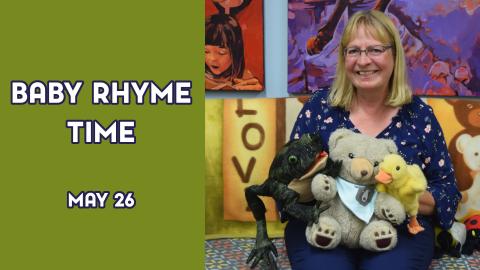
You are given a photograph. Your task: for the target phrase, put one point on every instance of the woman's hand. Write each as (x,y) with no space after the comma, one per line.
(427,204)
(247,84)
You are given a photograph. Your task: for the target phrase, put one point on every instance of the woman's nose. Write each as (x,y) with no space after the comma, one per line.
(363,59)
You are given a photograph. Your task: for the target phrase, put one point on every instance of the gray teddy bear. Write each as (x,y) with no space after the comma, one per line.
(358,216)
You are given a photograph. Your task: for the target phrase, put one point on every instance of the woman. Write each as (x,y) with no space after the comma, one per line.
(370,95)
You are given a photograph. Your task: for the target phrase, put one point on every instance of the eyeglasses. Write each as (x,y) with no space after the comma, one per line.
(355,52)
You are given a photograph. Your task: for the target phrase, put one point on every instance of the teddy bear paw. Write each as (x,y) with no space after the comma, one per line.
(390,209)
(324,234)
(387,215)
(324,187)
(378,236)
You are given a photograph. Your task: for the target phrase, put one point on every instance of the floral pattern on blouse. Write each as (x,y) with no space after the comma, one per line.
(417,134)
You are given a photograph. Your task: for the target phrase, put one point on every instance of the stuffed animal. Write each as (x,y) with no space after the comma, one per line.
(404,182)
(358,216)
(451,241)
(472,242)
(288,183)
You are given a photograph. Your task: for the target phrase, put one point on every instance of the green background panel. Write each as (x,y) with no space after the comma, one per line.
(102,40)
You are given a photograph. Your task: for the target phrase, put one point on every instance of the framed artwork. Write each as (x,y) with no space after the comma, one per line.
(441,39)
(240,144)
(234,57)
(460,121)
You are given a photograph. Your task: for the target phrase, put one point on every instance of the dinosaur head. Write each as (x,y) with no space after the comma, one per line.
(299,159)
(392,170)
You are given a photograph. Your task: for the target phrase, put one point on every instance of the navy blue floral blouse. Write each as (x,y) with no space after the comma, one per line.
(417,134)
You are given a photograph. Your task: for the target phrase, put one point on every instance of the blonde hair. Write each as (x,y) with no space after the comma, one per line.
(383,29)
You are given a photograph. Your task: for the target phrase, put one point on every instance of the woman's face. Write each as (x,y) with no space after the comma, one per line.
(217,59)
(372,72)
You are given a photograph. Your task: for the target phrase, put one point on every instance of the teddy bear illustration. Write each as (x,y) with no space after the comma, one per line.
(358,216)
(469,146)
(467,113)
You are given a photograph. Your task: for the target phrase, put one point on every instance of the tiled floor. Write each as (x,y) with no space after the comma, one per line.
(231,254)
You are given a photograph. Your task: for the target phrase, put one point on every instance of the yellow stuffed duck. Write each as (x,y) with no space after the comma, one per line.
(404,182)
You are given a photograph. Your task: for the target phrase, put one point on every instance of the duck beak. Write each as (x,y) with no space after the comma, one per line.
(383,177)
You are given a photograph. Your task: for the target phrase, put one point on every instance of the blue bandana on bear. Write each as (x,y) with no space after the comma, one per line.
(359,199)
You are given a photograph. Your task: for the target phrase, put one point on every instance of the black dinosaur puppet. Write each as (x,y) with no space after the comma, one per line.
(288,182)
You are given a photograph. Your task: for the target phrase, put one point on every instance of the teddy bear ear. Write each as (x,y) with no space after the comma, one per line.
(451,101)
(337,135)
(462,142)
(391,146)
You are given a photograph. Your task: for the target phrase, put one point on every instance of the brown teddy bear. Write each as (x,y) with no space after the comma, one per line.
(467,113)
(358,216)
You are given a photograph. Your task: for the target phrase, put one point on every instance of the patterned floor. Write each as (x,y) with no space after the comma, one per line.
(231,254)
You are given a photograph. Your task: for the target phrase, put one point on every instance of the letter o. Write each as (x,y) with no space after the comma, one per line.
(245,130)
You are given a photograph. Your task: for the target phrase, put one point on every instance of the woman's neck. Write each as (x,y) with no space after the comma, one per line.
(372,103)
(369,114)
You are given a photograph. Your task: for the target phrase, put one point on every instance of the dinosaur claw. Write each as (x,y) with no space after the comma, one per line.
(266,253)
(274,250)
(250,257)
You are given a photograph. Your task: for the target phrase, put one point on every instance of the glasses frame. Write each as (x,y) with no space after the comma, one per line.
(385,48)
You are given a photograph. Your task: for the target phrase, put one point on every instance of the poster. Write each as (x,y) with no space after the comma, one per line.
(460,121)
(241,139)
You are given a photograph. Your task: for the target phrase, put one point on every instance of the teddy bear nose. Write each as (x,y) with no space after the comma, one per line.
(364,173)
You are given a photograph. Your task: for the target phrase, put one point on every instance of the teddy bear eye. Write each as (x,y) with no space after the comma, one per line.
(398,168)
(375,164)
(292,159)
(351,155)
(476,154)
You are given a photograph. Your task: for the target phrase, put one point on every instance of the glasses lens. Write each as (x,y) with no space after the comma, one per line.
(352,51)
(375,50)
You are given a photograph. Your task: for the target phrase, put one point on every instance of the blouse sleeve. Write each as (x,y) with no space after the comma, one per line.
(438,170)
(304,124)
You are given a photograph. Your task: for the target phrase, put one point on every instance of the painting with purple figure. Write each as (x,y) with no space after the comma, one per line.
(441,39)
